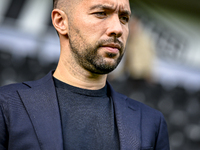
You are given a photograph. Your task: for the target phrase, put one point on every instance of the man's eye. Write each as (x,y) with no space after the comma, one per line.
(101,14)
(124,19)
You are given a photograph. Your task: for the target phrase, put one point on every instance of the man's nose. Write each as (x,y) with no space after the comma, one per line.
(115,27)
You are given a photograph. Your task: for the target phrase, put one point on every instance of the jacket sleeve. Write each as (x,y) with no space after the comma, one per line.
(162,142)
(3,131)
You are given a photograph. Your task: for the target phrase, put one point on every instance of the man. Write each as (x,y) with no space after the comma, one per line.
(74,107)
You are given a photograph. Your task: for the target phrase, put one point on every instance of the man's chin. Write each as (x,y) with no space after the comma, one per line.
(103,71)
(104,65)
(105,68)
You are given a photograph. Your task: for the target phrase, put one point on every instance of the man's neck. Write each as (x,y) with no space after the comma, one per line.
(79,77)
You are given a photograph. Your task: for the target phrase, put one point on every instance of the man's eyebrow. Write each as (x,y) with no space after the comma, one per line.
(101,7)
(106,7)
(126,12)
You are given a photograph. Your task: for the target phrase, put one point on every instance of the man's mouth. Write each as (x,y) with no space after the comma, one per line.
(113,48)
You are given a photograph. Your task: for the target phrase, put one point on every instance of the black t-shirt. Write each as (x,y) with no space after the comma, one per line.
(88,121)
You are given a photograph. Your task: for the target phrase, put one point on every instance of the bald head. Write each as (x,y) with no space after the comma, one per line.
(64,3)
(62,11)
(61,3)
(55,2)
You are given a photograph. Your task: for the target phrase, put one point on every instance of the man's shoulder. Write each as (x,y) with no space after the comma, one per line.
(144,108)
(24,85)
(136,105)
(12,87)
(9,92)
(139,104)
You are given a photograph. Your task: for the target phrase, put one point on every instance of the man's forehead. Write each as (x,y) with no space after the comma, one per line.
(63,3)
(117,4)
(124,3)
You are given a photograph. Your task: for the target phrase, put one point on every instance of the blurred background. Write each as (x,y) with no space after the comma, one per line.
(161,67)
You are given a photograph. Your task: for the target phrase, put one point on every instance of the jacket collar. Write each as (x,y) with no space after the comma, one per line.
(128,118)
(41,103)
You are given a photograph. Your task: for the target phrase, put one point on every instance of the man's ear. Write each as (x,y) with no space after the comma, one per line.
(59,21)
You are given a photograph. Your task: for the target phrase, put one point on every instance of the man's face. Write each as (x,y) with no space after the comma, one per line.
(98,31)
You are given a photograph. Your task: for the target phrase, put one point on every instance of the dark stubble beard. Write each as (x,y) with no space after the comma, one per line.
(87,55)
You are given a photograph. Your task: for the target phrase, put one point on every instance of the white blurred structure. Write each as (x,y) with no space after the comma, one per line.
(30,33)
(177,44)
